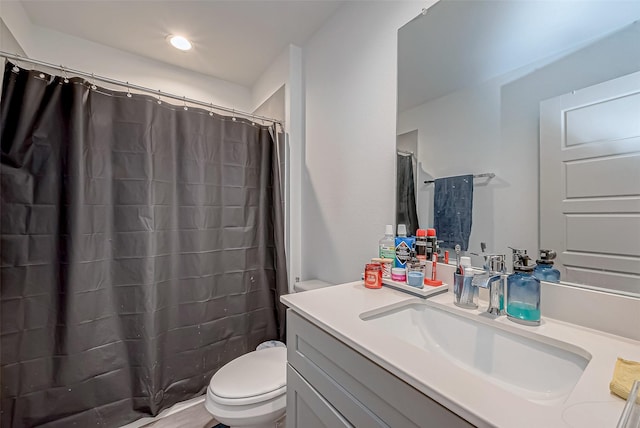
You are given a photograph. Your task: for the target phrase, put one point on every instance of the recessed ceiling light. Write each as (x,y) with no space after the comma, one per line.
(179,42)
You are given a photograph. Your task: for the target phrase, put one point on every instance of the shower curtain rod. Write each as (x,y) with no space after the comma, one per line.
(128,85)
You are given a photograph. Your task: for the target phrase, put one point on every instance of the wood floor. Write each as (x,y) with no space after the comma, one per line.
(187,414)
(192,417)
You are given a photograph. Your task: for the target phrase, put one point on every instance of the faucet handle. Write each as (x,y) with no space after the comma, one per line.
(495,263)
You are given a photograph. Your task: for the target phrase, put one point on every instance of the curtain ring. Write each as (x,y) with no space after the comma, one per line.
(93,82)
(233,112)
(159,101)
(211,110)
(184,101)
(128,91)
(64,74)
(16,66)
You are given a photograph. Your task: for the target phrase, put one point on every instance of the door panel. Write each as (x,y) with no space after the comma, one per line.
(620,176)
(610,119)
(590,183)
(604,233)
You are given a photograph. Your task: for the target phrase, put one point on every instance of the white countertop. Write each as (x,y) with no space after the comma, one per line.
(337,310)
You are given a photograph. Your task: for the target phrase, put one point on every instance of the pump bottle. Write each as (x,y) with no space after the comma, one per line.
(544,270)
(523,291)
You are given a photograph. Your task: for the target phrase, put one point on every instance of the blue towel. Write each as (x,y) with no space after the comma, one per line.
(452,210)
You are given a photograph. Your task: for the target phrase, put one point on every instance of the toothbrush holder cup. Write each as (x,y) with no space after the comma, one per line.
(466,295)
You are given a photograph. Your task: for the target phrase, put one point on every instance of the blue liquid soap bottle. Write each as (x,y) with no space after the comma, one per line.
(523,291)
(544,270)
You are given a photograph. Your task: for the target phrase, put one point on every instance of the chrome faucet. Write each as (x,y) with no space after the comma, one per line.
(491,278)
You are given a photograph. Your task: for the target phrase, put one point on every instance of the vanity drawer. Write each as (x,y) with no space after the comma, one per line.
(364,393)
(307,408)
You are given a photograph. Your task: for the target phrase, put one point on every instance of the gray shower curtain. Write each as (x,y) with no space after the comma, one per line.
(141,249)
(406,211)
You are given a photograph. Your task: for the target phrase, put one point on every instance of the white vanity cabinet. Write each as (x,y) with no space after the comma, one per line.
(356,357)
(329,384)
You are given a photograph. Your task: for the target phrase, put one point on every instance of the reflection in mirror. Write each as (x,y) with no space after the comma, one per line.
(407,181)
(518,89)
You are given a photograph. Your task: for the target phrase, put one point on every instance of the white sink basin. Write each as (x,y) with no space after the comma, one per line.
(539,369)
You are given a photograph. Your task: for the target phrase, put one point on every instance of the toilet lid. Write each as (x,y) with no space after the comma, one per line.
(255,373)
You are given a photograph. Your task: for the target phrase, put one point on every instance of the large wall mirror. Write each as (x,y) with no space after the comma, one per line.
(544,96)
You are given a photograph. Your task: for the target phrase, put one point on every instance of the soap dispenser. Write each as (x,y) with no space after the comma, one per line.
(523,291)
(544,270)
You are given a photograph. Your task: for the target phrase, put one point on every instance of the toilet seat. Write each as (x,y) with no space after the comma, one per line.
(246,400)
(252,378)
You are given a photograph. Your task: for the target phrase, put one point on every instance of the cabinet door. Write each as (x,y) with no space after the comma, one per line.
(306,408)
(362,392)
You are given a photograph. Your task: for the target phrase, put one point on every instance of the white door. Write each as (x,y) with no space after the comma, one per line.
(590,183)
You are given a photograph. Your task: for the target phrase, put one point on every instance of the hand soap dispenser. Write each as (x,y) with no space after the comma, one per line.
(544,270)
(523,291)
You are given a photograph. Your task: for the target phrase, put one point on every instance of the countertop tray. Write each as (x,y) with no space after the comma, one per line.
(420,292)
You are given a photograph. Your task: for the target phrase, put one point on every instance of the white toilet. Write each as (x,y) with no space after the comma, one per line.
(250,391)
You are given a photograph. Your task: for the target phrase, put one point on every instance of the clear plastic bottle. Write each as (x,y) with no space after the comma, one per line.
(387,245)
(523,291)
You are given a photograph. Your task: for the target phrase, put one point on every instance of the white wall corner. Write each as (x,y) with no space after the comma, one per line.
(286,70)
(350,72)
(294,125)
(18,22)
(272,79)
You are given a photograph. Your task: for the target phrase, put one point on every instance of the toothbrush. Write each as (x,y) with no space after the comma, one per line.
(458,267)
(466,291)
(433,269)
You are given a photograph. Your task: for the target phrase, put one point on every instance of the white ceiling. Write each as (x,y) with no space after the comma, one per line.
(233,40)
(459,44)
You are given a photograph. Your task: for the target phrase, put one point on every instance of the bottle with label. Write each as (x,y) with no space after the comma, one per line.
(432,244)
(421,244)
(387,245)
(544,270)
(404,244)
(373,275)
(523,291)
